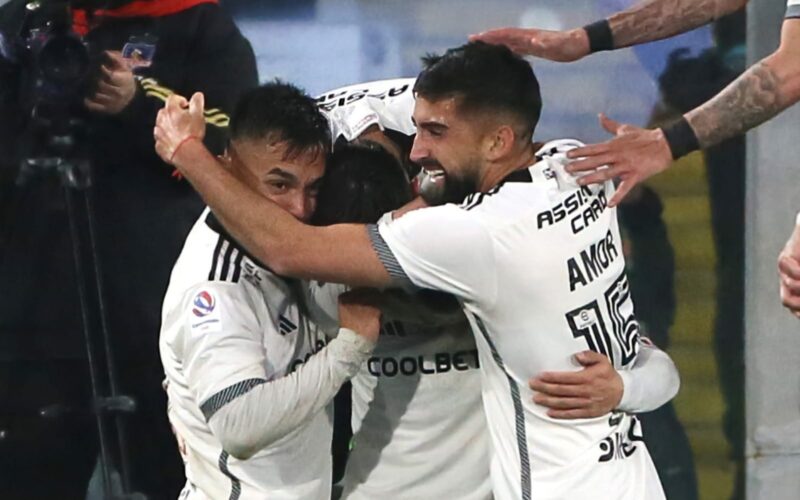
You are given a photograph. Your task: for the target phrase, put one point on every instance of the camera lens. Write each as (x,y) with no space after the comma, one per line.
(64,60)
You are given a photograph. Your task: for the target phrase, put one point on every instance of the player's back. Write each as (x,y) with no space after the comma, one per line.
(418,423)
(558,288)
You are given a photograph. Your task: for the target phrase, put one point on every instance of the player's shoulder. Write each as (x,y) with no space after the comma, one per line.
(210,255)
(435,225)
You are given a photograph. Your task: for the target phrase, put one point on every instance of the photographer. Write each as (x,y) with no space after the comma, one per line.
(143,214)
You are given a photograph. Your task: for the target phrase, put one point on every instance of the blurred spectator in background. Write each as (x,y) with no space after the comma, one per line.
(686,83)
(143,216)
(651,270)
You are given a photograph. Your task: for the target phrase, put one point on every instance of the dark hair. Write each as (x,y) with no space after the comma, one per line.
(279,111)
(361,183)
(485,78)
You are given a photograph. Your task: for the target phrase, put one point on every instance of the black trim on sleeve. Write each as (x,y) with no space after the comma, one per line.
(681,138)
(385,254)
(600,36)
(225,396)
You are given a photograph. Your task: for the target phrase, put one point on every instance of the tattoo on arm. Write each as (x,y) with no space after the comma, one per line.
(656,19)
(749,101)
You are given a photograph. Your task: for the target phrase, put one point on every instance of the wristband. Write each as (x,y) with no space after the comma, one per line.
(183,141)
(600,36)
(681,138)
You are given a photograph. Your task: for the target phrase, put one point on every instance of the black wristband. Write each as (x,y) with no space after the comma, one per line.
(600,36)
(681,138)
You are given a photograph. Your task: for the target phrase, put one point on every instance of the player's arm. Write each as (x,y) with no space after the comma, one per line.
(341,253)
(224,366)
(763,91)
(598,388)
(644,22)
(760,93)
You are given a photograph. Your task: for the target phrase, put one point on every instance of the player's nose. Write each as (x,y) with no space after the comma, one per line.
(300,207)
(419,151)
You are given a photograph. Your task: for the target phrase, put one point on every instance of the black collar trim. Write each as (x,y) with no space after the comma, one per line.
(215,225)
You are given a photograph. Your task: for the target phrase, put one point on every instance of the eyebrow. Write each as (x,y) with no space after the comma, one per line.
(429,124)
(277,171)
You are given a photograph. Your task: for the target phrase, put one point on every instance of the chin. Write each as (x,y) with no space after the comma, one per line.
(437,187)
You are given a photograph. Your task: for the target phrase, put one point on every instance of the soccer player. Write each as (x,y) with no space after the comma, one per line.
(247,374)
(416,402)
(534,260)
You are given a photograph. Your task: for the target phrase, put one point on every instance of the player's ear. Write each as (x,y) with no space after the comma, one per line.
(500,142)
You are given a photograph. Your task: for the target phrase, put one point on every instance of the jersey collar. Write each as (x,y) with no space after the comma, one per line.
(215,225)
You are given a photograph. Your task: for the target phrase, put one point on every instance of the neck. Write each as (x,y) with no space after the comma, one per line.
(497,171)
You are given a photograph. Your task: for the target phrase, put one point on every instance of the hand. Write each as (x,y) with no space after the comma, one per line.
(591,392)
(633,155)
(116,86)
(178,121)
(789,271)
(561,46)
(358,311)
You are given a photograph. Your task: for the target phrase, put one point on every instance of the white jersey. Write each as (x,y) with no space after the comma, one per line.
(418,423)
(537,264)
(419,431)
(387,103)
(792,9)
(229,324)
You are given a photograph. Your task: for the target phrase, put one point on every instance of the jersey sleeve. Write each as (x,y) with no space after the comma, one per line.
(651,382)
(441,248)
(324,305)
(351,121)
(793,9)
(223,352)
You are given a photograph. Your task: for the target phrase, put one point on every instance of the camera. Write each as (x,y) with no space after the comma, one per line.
(48,67)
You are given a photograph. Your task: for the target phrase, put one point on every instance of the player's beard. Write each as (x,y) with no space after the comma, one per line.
(437,187)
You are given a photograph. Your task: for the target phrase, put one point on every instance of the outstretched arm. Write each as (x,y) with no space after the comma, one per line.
(759,94)
(644,22)
(635,154)
(657,19)
(341,253)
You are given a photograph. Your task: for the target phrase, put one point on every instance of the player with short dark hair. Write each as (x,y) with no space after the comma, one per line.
(361,180)
(485,81)
(534,260)
(247,373)
(420,390)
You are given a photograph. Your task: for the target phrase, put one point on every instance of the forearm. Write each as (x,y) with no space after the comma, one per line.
(656,19)
(273,409)
(341,253)
(758,95)
(652,382)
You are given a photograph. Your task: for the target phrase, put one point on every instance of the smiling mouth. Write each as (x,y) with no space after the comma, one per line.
(434,172)
(431,167)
